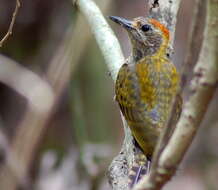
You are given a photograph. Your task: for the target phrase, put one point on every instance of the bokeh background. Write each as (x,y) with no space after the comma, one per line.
(85,131)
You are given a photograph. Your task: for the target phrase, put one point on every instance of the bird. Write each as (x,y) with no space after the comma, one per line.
(145,87)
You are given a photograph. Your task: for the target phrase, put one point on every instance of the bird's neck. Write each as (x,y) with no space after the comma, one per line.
(140,50)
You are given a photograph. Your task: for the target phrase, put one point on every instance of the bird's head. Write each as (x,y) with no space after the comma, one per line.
(148,36)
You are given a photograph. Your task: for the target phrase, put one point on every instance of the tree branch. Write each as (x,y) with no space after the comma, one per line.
(165,11)
(194,41)
(111,50)
(34,122)
(105,37)
(170,126)
(23,81)
(203,86)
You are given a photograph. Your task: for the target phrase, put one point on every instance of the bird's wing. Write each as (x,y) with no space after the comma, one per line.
(126,91)
(129,93)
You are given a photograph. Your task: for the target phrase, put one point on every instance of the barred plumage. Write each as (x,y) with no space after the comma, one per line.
(146,85)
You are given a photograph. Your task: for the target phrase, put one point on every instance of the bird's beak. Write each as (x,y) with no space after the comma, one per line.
(127,24)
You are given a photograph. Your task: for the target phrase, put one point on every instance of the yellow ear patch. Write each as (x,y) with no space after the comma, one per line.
(157,24)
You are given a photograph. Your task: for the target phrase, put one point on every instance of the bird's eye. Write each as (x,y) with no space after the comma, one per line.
(146,27)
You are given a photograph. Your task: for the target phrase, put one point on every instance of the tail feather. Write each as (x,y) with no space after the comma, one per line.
(139,169)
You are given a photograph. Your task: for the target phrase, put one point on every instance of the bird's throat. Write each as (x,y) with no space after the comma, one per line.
(139,51)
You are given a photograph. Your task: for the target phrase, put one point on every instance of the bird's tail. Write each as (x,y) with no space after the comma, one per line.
(139,168)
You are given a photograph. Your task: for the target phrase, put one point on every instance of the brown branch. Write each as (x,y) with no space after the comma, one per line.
(33,125)
(10,29)
(194,41)
(23,81)
(203,86)
(166,13)
(27,84)
(170,126)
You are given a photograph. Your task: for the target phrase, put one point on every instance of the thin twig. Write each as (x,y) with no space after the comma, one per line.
(10,29)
